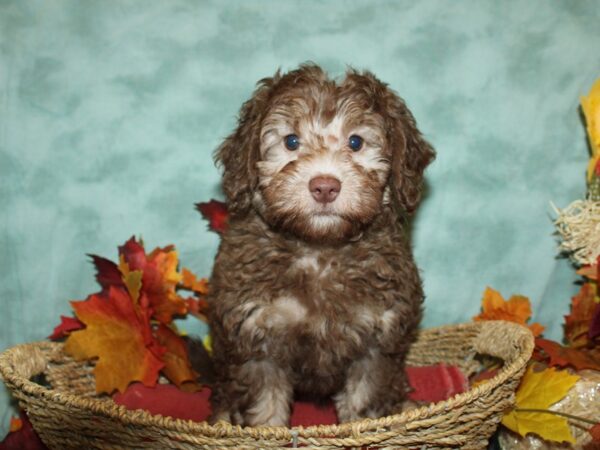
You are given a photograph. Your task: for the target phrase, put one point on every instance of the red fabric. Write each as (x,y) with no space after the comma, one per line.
(435,383)
(430,384)
(24,438)
(167,400)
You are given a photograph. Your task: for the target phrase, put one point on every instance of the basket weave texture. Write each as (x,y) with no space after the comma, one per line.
(69,414)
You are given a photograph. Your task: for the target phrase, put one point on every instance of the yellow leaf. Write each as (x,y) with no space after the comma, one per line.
(539,391)
(207,342)
(131,278)
(590,105)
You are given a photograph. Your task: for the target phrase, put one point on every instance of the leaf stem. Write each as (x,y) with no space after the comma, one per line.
(556,413)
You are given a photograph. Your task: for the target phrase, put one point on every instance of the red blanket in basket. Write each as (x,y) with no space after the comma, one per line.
(430,384)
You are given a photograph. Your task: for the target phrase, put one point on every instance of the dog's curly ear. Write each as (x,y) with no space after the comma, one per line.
(411,154)
(240,151)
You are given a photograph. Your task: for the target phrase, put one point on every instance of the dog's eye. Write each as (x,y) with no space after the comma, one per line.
(355,142)
(292,142)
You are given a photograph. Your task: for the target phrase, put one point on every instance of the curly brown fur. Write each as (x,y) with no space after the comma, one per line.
(308,296)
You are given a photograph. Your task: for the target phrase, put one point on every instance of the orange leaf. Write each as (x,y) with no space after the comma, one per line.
(16,423)
(190,282)
(178,368)
(589,271)
(119,337)
(159,278)
(560,356)
(516,309)
(198,308)
(577,323)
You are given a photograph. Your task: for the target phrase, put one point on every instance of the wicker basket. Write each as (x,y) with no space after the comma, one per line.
(69,415)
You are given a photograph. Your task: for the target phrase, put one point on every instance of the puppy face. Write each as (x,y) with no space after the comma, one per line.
(320,159)
(324,161)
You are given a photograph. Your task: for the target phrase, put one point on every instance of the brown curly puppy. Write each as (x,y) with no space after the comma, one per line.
(314,288)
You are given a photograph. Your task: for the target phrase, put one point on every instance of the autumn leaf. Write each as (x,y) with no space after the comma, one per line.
(560,356)
(590,106)
(198,307)
(216,213)
(66,326)
(577,323)
(107,272)
(190,282)
(120,339)
(159,278)
(178,368)
(538,391)
(516,309)
(132,279)
(595,432)
(595,324)
(16,423)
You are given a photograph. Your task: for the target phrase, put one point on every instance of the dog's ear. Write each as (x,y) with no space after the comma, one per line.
(410,152)
(240,151)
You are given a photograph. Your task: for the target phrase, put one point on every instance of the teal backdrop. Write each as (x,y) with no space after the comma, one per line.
(110,112)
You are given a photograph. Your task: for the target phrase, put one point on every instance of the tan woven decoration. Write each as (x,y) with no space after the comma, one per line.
(69,415)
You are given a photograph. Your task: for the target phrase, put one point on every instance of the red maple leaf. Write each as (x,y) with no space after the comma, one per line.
(107,273)
(216,213)
(159,278)
(577,323)
(560,356)
(594,331)
(67,324)
(178,368)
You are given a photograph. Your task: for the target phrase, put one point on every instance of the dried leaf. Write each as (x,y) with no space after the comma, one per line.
(560,356)
(132,279)
(198,308)
(539,391)
(577,323)
(190,282)
(16,423)
(159,278)
(516,309)
(595,432)
(107,272)
(590,105)
(216,213)
(120,339)
(595,324)
(589,271)
(178,368)
(66,326)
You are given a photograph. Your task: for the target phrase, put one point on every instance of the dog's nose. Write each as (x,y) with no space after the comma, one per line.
(324,189)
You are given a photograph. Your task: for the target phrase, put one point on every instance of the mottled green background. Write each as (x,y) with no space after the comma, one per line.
(109,112)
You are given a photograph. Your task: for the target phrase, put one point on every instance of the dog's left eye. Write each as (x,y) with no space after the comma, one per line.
(355,142)
(292,142)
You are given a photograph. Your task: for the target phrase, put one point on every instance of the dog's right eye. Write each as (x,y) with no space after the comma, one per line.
(292,142)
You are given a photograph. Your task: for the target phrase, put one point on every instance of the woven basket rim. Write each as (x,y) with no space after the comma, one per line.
(415,416)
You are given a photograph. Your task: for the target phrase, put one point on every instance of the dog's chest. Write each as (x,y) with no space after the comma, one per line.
(321,301)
